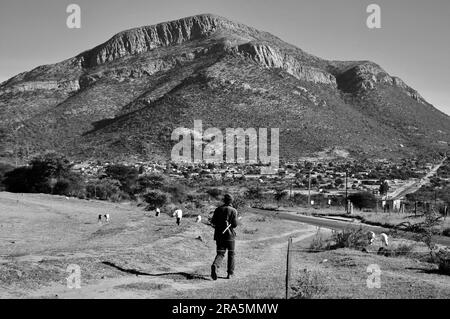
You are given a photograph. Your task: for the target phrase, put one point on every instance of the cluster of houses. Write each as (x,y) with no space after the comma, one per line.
(331,179)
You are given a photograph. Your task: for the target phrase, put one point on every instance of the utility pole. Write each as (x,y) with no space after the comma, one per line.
(346,193)
(309,187)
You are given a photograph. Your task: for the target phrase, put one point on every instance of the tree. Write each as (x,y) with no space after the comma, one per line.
(254,192)
(384,188)
(150,181)
(279,194)
(4,168)
(156,198)
(126,175)
(104,188)
(40,176)
(17,180)
(363,200)
(178,192)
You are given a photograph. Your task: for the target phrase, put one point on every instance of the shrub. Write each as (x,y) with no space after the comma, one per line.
(254,192)
(403,250)
(279,194)
(214,192)
(318,243)
(363,200)
(150,181)
(4,168)
(178,193)
(446,232)
(156,198)
(104,188)
(40,176)
(126,175)
(69,186)
(17,180)
(310,284)
(239,202)
(350,238)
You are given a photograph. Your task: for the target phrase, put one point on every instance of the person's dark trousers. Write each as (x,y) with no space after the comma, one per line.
(222,247)
(178,221)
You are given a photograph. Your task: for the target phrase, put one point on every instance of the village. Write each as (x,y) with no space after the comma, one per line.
(323,182)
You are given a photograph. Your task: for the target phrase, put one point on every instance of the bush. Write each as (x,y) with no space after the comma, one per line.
(150,181)
(69,186)
(40,176)
(279,194)
(214,192)
(156,198)
(18,180)
(363,200)
(311,284)
(403,250)
(318,243)
(254,192)
(350,238)
(104,189)
(446,232)
(178,193)
(4,168)
(239,202)
(126,175)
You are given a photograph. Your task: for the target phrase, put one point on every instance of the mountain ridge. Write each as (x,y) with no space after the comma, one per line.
(67,103)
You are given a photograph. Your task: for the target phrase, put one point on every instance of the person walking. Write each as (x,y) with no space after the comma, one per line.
(157,211)
(178,214)
(224,221)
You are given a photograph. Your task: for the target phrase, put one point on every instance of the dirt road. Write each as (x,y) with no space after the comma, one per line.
(136,255)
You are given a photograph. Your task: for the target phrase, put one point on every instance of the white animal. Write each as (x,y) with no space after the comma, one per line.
(199,219)
(371,236)
(384,239)
(107,218)
(178,213)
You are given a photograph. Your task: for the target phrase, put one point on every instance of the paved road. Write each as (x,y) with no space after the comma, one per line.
(413,186)
(338,225)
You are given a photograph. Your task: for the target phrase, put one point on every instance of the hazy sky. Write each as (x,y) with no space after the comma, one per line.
(413,43)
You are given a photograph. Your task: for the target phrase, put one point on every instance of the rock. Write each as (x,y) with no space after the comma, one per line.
(269,57)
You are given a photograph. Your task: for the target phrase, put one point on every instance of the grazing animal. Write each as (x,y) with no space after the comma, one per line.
(384,239)
(199,219)
(178,214)
(107,218)
(371,236)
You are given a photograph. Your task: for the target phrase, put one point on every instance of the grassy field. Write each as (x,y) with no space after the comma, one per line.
(137,255)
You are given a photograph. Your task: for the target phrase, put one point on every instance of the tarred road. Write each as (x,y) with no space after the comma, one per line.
(339,225)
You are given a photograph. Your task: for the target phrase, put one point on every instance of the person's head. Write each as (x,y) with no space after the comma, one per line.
(227,199)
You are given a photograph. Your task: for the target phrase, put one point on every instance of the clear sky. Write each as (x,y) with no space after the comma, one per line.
(413,43)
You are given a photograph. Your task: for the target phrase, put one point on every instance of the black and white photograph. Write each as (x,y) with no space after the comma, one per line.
(253,152)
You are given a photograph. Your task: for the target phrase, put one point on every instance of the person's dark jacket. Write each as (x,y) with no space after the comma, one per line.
(223,216)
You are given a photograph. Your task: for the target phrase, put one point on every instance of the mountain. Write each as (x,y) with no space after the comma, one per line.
(123,98)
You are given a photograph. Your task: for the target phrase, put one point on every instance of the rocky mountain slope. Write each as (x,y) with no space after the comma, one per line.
(123,98)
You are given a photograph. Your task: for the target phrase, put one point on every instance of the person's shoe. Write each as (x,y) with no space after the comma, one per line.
(213,272)
(230,276)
